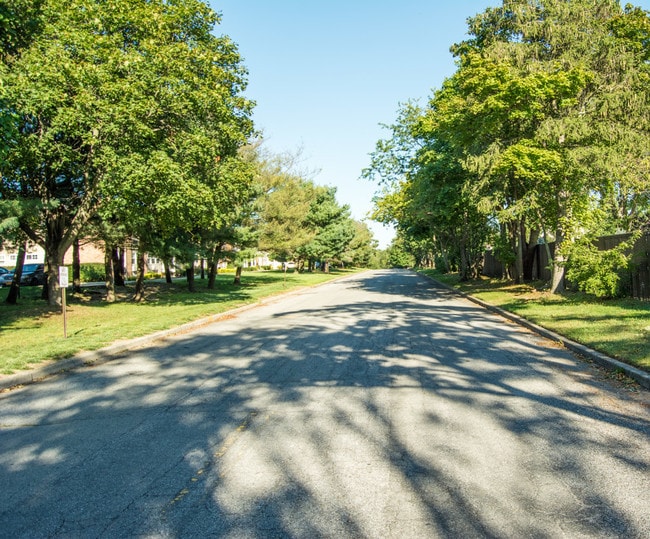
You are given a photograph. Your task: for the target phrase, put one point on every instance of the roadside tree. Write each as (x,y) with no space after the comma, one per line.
(282,208)
(542,133)
(333,228)
(122,109)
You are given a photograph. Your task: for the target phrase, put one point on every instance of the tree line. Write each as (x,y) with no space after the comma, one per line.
(540,137)
(126,119)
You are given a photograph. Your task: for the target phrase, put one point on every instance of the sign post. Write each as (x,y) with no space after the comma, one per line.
(63,284)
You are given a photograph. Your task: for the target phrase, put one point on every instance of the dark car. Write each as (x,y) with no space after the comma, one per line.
(33,274)
(6,278)
(3,270)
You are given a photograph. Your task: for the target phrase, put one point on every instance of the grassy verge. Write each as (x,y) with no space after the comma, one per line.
(31,332)
(619,328)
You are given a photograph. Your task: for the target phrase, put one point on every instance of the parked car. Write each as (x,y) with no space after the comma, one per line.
(6,278)
(3,270)
(33,274)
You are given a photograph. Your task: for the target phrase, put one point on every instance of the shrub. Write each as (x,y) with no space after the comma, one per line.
(91,272)
(597,272)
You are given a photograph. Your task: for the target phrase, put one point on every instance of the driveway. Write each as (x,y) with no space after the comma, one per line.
(375,406)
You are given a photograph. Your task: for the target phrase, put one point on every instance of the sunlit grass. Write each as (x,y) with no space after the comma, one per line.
(620,328)
(31,332)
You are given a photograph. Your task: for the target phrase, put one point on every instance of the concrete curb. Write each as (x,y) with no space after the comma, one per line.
(108,353)
(641,377)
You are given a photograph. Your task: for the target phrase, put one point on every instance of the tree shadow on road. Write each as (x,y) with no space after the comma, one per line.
(409,413)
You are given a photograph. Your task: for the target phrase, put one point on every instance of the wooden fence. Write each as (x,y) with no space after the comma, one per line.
(492,267)
(635,281)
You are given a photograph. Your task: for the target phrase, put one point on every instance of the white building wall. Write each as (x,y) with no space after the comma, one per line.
(34,255)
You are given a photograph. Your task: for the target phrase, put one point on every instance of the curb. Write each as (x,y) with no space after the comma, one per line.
(639,376)
(112,351)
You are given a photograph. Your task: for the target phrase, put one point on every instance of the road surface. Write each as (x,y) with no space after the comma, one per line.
(375,406)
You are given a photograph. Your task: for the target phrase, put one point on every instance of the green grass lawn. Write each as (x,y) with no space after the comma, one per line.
(31,332)
(619,328)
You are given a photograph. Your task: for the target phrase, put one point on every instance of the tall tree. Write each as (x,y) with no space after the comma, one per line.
(122,106)
(541,132)
(333,227)
(552,112)
(283,206)
(361,249)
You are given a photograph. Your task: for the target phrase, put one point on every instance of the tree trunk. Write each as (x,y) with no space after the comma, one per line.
(118,266)
(520,240)
(237,280)
(139,279)
(54,259)
(190,278)
(559,260)
(168,272)
(213,270)
(110,274)
(464,263)
(213,266)
(444,253)
(528,255)
(14,291)
(326,266)
(76,267)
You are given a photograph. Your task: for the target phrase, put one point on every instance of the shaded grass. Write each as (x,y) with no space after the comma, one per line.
(31,332)
(619,328)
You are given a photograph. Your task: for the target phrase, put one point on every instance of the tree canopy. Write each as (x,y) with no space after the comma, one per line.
(303,222)
(540,135)
(128,110)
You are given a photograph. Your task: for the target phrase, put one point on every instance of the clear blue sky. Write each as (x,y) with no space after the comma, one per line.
(325,75)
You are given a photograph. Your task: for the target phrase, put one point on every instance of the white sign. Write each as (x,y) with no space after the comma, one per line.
(63,276)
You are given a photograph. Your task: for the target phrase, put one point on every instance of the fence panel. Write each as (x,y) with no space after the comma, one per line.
(639,272)
(636,279)
(491,266)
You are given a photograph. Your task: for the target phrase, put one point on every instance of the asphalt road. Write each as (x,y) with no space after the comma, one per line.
(375,406)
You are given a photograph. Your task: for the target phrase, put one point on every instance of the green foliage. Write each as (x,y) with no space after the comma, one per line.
(537,131)
(379,259)
(399,255)
(398,258)
(360,250)
(502,250)
(299,221)
(129,111)
(19,22)
(598,272)
(334,230)
(91,273)
(285,201)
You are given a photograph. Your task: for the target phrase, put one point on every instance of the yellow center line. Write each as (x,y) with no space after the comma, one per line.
(227,444)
